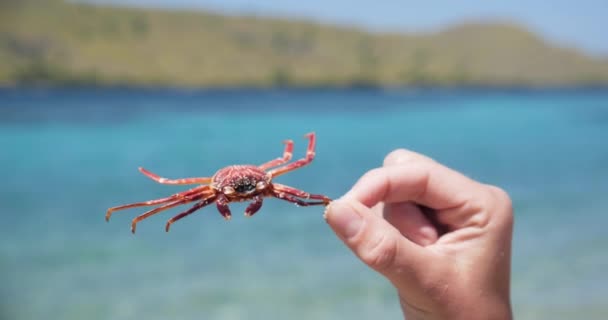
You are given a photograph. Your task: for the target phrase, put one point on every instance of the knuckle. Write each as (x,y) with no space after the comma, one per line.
(381,252)
(502,203)
(372,172)
(501,196)
(403,156)
(400,156)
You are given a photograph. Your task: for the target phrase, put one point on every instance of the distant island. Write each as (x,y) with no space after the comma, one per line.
(57,42)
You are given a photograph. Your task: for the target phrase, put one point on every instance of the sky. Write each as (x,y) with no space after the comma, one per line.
(581,24)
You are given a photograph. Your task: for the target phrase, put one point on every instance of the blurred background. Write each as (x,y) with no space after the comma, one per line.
(513,94)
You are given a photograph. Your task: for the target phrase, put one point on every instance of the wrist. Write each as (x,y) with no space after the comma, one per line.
(484,309)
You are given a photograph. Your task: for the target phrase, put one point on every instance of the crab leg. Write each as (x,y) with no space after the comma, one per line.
(222,206)
(155,202)
(197,206)
(287,154)
(299,193)
(310,155)
(254,206)
(292,198)
(162,208)
(155,177)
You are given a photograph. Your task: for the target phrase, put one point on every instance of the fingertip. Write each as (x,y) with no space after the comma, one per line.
(343,218)
(326,211)
(374,241)
(427,235)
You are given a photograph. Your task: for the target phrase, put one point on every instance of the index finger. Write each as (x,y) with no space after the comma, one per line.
(422,181)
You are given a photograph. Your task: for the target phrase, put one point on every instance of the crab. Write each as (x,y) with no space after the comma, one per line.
(233,183)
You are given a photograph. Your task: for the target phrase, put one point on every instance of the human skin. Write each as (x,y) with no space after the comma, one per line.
(442,239)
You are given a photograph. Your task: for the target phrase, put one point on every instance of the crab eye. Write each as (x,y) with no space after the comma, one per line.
(228,190)
(260,185)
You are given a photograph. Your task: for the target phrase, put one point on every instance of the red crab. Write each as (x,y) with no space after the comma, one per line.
(230,184)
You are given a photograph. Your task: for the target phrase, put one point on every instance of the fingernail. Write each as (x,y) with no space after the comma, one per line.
(343,219)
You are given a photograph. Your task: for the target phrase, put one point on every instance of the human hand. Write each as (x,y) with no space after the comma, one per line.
(442,239)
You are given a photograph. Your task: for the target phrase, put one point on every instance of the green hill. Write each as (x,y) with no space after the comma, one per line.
(58,42)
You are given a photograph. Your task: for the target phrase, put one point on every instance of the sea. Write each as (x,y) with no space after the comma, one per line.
(68,154)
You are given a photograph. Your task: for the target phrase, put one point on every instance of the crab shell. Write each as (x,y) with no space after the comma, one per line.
(241,182)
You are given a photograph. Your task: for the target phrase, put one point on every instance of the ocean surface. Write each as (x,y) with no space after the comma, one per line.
(66,155)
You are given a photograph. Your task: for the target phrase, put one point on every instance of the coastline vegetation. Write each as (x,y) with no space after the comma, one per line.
(55,42)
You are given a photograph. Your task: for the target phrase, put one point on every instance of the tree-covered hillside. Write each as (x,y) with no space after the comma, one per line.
(59,42)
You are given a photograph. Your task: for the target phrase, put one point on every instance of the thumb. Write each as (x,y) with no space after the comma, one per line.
(375,241)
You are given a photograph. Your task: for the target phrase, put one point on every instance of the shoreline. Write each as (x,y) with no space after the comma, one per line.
(306,88)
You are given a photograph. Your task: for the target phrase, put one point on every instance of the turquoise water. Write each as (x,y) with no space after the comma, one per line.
(66,155)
